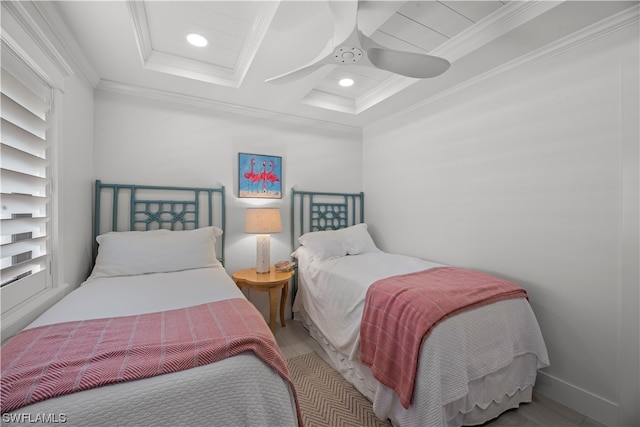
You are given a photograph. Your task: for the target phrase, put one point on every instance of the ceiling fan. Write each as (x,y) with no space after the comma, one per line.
(349,46)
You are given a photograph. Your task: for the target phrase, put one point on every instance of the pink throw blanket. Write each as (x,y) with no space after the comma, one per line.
(63,358)
(401,311)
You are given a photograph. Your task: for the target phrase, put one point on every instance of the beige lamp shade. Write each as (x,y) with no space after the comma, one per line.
(263,221)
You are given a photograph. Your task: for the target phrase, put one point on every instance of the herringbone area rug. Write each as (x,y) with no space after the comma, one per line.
(326,399)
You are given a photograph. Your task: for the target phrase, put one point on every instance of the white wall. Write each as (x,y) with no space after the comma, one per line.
(533,175)
(76,182)
(147,141)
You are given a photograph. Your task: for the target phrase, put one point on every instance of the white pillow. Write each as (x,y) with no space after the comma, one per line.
(357,239)
(324,244)
(159,251)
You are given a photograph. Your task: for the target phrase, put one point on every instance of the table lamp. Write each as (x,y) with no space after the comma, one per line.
(263,221)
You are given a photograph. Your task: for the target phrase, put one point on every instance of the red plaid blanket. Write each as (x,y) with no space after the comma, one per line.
(63,358)
(401,311)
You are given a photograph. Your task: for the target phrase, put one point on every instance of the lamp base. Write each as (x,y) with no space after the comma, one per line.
(263,262)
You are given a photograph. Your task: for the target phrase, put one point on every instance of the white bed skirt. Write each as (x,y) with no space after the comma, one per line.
(435,404)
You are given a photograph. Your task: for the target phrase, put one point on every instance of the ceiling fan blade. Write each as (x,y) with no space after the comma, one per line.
(416,65)
(295,74)
(345,18)
(372,14)
(320,61)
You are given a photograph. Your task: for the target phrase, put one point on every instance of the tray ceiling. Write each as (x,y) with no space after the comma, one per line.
(237,29)
(141,44)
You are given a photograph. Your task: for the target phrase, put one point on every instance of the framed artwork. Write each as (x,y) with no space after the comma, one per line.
(259,176)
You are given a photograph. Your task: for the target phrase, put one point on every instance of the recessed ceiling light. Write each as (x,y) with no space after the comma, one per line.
(346,82)
(197,40)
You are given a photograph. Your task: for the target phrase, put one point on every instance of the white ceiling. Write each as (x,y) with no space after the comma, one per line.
(140,46)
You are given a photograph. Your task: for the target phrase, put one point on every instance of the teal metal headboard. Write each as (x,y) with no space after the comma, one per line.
(319,211)
(148,207)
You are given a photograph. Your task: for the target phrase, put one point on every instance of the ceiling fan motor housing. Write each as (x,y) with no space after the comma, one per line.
(347,54)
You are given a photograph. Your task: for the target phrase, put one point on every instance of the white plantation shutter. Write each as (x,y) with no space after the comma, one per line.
(25,182)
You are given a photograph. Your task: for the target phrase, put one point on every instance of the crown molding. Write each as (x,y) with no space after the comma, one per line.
(198,102)
(141,29)
(67,41)
(389,87)
(503,20)
(328,101)
(255,37)
(617,22)
(33,23)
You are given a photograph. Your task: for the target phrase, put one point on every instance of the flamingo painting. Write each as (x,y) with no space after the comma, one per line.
(259,176)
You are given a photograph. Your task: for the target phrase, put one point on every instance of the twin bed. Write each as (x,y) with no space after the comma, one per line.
(474,365)
(139,274)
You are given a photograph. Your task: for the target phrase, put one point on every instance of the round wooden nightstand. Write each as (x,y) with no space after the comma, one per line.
(271,282)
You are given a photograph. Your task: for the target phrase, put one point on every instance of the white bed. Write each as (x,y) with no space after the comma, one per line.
(472,367)
(236,391)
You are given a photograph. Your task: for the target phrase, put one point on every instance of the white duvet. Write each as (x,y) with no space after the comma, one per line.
(472,367)
(144,293)
(335,290)
(237,391)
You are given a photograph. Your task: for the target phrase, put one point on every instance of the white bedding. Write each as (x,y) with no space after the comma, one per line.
(472,367)
(335,290)
(237,391)
(144,293)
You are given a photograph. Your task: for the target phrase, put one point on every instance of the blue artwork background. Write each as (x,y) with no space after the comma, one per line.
(260,178)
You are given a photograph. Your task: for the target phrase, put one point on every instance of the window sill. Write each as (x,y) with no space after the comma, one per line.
(17,319)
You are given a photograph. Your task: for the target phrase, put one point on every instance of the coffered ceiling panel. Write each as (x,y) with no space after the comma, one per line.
(234,33)
(473,10)
(367,78)
(409,32)
(225,33)
(438,17)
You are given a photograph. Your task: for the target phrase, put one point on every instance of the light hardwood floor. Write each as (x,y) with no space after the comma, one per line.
(294,340)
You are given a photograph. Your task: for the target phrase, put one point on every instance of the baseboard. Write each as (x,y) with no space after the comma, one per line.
(582,401)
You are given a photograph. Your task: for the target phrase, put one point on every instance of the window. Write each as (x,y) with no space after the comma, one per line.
(25,182)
